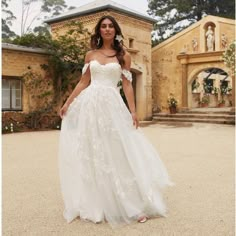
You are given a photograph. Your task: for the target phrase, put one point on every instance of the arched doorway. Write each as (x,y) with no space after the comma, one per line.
(211,87)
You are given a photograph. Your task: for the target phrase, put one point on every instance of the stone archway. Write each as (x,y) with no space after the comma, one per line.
(192,64)
(213,82)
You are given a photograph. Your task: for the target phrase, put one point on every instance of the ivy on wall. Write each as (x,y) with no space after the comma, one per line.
(45,93)
(66,54)
(229,57)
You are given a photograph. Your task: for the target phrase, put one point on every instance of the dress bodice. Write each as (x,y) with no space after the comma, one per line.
(108,74)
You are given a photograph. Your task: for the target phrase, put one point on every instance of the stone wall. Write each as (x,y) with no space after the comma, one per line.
(16,62)
(166,69)
(227,29)
(178,59)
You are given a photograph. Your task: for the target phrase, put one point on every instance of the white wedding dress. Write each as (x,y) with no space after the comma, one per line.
(108,169)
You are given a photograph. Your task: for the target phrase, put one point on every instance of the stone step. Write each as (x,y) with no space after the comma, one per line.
(225,110)
(209,112)
(225,115)
(194,119)
(197,115)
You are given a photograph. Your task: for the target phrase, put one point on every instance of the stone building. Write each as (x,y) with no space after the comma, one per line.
(17,61)
(136,29)
(191,55)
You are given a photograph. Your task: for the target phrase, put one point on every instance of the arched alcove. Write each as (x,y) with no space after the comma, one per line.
(210,85)
(209,36)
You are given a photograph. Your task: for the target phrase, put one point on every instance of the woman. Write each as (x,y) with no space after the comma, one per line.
(108,170)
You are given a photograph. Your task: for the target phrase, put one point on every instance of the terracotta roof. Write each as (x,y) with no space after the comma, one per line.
(97,6)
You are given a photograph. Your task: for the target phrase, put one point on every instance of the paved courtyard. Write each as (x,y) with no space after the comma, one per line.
(198,157)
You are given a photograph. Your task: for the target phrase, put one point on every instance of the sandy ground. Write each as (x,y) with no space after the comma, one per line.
(199,159)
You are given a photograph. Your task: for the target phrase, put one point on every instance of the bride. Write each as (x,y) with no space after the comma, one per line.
(108,169)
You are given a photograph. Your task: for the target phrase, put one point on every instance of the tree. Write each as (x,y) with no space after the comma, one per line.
(175,15)
(47,8)
(229,61)
(42,30)
(229,57)
(66,54)
(65,62)
(7,19)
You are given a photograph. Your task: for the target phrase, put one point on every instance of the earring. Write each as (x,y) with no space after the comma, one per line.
(98,41)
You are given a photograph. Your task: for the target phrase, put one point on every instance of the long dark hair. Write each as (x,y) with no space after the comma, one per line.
(117,46)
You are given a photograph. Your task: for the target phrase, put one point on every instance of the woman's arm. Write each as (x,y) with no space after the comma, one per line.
(128,90)
(83,83)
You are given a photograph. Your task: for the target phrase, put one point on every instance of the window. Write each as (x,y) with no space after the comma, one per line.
(131,43)
(11,94)
(224,86)
(208,85)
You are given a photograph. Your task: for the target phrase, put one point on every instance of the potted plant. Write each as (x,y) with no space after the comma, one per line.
(172,103)
(204,101)
(221,103)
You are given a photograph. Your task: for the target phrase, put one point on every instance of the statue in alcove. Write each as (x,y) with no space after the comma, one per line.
(210,39)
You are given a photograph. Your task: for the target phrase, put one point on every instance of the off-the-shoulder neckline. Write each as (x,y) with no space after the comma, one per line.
(94,60)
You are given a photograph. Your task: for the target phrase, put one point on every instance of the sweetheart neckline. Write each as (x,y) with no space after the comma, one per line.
(104,64)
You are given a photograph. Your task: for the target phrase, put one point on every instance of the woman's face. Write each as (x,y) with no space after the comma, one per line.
(107,30)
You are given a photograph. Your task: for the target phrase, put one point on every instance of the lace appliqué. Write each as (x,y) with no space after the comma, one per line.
(85,68)
(127,74)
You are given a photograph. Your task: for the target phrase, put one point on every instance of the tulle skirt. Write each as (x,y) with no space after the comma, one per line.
(108,169)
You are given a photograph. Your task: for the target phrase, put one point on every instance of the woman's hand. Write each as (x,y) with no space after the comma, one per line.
(135,119)
(63,110)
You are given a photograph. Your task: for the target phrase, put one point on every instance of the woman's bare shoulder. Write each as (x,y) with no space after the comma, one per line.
(89,55)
